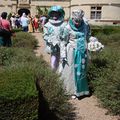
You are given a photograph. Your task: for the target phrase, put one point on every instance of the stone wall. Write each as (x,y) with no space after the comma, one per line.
(109,12)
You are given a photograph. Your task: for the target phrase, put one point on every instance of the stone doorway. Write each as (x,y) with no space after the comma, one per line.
(23,10)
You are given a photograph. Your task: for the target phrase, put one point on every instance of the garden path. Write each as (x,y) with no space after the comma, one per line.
(85,109)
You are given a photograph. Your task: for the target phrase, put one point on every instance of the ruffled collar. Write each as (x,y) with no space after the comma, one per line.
(72,25)
(55,22)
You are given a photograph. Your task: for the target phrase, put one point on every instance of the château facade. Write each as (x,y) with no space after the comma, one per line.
(96,11)
(99,11)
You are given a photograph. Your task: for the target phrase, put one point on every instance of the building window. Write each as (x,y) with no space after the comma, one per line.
(96,12)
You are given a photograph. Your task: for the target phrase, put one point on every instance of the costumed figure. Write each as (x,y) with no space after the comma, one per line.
(76,34)
(53,31)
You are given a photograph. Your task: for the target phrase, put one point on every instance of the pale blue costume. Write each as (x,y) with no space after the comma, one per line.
(74,72)
(53,31)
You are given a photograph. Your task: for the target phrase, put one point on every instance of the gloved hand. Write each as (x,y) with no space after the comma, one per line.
(48,43)
(64,60)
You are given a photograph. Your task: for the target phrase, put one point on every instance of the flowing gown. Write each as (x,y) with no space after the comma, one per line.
(74,72)
(52,35)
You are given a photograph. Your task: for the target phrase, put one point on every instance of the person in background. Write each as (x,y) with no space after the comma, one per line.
(43,21)
(52,33)
(12,20)
(7,29)
(76,34)
(1,34)
(24,22)
(5,22)
(17,21)
(36,23)
(30,25)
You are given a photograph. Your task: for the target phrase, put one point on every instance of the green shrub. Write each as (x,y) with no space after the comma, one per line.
(103,75)
(13,56)
(5,56)
(18,89)
(107,30)
(111,40)
(18,98)
(54,93)
(20,72)
(25,40)
(15,30)
(104,68)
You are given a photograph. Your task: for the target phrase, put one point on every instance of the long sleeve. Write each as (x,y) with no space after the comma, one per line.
(45,34)
(87,31)
(46,38)
(64,41)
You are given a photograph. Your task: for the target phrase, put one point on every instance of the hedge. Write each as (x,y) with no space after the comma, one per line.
(104,71)
(29,89)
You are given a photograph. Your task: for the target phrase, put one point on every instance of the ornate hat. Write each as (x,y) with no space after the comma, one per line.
(77,14)
(56,9)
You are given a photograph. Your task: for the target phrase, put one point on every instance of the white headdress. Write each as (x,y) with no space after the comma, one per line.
(77,14)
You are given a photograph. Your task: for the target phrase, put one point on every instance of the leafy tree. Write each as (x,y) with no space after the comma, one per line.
(40,12)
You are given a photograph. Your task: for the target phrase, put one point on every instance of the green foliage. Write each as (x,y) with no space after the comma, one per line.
(25,40)
(20,72)
(10,56)
(45,11)
(53,92)
(17,30)
(9,16)
(5,55)
(104,71)
(107,30)
(18,98)
(17,83)
(42,11)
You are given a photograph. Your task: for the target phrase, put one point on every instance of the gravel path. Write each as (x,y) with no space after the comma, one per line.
(87,108)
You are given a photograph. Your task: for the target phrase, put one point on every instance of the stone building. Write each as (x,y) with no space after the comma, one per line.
(96,11)
(99,11)
(14,6)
